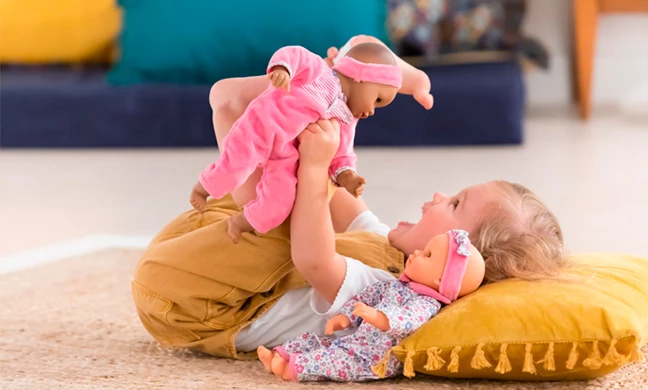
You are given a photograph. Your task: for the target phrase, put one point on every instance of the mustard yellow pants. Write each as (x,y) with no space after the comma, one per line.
(194,289)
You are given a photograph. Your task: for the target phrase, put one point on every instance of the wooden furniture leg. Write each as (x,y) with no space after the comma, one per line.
(585,23)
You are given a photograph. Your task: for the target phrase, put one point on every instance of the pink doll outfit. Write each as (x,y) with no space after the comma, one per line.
(406,304)
(266,135)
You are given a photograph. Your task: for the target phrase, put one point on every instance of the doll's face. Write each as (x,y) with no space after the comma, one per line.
(426,266)
(363,98)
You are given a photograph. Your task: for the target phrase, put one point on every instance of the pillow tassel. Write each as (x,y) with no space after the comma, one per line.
(612,357)
(408,370)
(594,360)
(636,355)
(435,361)
(454,359)
(479,361)
(548,360)
(503,365)
(528,366)
(573,357)
(380,369)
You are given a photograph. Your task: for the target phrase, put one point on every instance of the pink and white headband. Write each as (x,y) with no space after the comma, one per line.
(373,73)
(454,271)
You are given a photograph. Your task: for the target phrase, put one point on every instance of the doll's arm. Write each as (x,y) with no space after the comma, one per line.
(302,65)
(370,296)
(345,158)
(404,320)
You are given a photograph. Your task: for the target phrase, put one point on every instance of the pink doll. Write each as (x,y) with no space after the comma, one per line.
(304,89)
(384,314)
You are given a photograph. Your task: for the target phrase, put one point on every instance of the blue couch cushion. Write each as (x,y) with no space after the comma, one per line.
(201,41)
(474,104)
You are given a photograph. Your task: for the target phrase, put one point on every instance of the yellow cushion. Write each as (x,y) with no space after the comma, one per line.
(583,328)
(61,31)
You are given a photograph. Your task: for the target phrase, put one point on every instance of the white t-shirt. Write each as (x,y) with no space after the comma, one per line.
(305,310)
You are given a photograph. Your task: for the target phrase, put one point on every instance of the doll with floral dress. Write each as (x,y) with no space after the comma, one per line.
(382,314)
(304,89)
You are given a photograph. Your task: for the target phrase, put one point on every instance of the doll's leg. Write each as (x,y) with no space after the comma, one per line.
(336,363)
(248,144)
(275,192)
(228,99)
(238,160)
(415,81)
(305,343)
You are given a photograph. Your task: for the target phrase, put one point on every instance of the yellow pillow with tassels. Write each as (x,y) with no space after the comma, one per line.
(585,327)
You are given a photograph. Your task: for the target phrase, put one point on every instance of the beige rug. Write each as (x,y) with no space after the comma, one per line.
(71,325)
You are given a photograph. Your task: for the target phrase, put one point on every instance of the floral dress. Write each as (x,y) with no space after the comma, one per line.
(350,358)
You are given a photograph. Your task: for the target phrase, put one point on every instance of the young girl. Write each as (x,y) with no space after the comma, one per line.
(193,290)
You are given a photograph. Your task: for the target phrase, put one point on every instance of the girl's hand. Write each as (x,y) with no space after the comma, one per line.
(319,143)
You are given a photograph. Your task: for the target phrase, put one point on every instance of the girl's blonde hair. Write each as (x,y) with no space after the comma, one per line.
(520,237)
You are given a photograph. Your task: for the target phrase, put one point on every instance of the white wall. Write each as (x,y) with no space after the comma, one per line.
(620,64)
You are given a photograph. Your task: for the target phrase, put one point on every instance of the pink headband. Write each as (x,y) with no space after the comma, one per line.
(453,273)
(374,73)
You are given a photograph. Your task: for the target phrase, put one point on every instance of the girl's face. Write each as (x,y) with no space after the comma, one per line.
(444,213)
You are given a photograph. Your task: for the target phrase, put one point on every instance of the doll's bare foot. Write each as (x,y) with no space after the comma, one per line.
(236,226)
(265,355)
(280,368)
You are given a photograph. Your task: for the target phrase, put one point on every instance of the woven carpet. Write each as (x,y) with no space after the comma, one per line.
(71,325)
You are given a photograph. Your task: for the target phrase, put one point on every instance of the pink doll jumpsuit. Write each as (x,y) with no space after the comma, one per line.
(349,358)
(265,136)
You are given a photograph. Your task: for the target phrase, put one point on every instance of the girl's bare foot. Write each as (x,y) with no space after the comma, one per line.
(265,355)
(280,368)
(415,81)
(198,198)
(198,201)
(236,226)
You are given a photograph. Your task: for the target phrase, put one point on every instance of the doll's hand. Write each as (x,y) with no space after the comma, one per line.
(353,182)
(198,197)
(279,77)
(372,316)
(336,323)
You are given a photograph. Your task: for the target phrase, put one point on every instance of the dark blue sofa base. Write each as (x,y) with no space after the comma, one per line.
(59,108)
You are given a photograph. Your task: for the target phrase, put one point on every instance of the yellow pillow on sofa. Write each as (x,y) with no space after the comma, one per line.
(579,329)
(61,31)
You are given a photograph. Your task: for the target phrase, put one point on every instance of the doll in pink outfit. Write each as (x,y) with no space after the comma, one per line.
(304,89)
(383,314)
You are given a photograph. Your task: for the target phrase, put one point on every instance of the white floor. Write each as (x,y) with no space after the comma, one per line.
(593,175)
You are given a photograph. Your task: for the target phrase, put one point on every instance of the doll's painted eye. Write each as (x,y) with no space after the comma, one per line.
(379,100)
(428,254)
